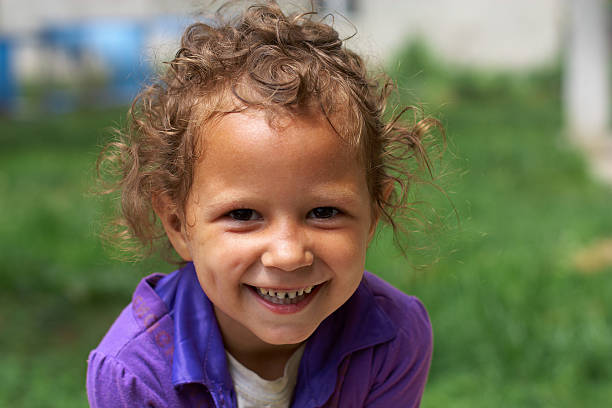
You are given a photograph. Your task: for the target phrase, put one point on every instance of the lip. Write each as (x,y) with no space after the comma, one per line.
(289,308)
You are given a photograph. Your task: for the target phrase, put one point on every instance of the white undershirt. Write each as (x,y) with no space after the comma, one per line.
(252,391)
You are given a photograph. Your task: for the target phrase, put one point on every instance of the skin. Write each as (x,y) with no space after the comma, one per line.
(282,207)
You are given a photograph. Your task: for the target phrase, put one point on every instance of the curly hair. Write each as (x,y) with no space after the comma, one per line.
(263,59)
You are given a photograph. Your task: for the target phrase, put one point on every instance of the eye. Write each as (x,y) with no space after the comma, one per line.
(323,212)
(244,214)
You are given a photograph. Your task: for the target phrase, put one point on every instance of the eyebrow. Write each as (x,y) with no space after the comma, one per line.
(344,196)
(224,201)
(335,194)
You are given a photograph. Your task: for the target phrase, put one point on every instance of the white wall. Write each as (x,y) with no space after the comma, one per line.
(511,34)
(23,16)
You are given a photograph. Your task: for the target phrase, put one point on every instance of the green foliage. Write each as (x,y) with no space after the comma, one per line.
(59,290)
(424,79)
(50,216)
(515,323)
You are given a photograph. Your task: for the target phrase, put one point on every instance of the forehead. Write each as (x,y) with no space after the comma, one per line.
(335,109)
(260,129)
(250,146)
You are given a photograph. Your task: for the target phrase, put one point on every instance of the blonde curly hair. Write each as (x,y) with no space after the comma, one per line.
(264,59)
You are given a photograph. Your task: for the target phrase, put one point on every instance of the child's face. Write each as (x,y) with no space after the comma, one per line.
(281,210)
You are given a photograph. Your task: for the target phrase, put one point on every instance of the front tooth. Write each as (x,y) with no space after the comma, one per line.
(308,289)
(292,295)
(280,294)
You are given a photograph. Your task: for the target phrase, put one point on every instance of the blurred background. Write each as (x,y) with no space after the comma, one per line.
(512,254)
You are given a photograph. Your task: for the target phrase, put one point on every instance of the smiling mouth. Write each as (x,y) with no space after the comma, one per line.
(284,297)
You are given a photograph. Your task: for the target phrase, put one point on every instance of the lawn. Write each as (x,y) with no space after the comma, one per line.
(516,322)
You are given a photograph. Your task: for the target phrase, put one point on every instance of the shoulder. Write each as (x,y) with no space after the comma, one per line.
(406,313)
(401,365)
(142,328)
(132,363)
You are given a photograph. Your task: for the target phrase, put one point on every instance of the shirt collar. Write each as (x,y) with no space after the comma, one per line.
(358,324)
(199,354)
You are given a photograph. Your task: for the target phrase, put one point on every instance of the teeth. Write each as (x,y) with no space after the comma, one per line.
(284,294)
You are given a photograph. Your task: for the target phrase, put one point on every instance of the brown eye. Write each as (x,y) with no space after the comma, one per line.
(244,214)
(323,212)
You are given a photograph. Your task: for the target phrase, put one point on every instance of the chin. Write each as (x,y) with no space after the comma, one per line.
(283,337)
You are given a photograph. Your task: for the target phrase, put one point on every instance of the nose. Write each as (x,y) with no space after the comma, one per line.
(287,249)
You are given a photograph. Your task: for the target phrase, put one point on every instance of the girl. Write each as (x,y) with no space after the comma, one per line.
(264,154)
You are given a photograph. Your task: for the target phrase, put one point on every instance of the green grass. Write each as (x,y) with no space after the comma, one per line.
(59,290)
(515,323)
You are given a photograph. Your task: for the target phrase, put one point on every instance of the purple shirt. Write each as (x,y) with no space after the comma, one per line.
(166,350)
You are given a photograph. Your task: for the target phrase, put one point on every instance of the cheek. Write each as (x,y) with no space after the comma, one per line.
(343,249)
(224,253)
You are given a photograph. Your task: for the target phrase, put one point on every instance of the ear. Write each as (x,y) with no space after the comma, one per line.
(166,211)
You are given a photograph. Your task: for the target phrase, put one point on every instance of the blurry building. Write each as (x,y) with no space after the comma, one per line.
(503,34)
(61,39)
(586,82)
(487,33)
(84,53)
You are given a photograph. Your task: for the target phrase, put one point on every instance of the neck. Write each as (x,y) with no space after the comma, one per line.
(267,360)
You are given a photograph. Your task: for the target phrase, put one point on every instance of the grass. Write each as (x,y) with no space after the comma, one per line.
(59,289)
(516,323)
